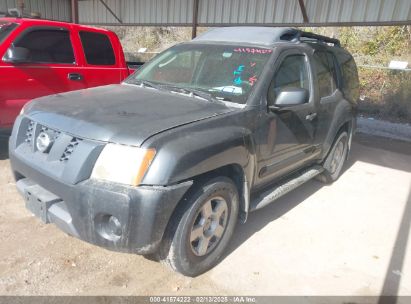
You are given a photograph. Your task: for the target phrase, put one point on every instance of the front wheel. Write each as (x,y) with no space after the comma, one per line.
(201,230)
(335,160)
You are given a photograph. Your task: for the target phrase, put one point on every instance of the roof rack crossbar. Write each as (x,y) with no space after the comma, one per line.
(263,35)
(317,37)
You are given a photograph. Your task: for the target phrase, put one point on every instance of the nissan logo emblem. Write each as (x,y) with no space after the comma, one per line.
(44,142)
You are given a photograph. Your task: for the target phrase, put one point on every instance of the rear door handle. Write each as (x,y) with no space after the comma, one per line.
(311,116)
(75,76)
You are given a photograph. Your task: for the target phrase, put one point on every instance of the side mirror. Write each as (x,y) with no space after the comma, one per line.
(17,55)
(289,97)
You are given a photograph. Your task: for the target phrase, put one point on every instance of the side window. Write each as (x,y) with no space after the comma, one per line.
(97,48)
(326,73)
(5,30)
(292,73)
(350,85)
(47,46)
(332,67)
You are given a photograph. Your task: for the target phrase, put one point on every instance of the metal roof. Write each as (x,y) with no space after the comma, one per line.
(251,12)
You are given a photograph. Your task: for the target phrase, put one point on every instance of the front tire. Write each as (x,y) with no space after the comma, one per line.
(202,228)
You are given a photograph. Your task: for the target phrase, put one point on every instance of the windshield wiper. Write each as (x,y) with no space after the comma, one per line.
(145,84)
(190,92)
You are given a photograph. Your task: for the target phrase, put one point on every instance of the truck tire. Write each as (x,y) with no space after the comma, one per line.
(202,228)
(335,160)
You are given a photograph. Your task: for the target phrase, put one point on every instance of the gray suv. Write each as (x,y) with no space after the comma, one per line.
(165,163)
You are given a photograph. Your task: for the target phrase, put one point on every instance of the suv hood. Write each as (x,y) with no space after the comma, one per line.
(125,114)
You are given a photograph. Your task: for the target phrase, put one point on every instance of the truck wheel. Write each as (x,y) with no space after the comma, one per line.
(335,160)
(202,229)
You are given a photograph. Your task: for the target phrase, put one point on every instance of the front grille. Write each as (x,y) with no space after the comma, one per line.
(70,149)
(55,134)
(60,141)
(29,132)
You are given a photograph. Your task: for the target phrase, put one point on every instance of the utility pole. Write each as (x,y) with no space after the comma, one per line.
(74,11)
(195,18)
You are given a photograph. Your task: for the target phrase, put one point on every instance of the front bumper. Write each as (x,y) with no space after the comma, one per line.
(84,210)
(113,216)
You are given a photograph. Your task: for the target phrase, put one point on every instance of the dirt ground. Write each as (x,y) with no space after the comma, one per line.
(348,238)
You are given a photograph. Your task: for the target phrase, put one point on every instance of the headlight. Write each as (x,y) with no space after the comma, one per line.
(123,164)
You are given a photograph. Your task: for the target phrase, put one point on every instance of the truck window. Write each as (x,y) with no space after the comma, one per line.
(47,46)
(6,29)
(292,73)
(350,84)
(332,66)
(97,48)
(325,74)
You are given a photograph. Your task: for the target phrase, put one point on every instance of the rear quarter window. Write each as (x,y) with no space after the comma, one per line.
(97,48)
(326,75)
(350,84)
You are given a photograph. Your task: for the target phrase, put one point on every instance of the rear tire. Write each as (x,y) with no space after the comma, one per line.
(202,228)
(335,160)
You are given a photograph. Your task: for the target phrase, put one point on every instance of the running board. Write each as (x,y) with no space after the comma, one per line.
(284,187)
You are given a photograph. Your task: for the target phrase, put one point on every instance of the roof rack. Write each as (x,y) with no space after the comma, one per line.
(262,35)
(311,37)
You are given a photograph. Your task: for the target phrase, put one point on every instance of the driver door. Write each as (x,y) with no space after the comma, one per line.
(287,133)
(47,71)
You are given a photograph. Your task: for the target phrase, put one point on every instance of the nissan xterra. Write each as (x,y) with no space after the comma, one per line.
(165,163)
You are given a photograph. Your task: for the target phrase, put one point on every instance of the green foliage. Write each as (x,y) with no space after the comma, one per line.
(385,94)
(373,45)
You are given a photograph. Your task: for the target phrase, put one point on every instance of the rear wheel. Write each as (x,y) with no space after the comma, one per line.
(199,233)
(334,162)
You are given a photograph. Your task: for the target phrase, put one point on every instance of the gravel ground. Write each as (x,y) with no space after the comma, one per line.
(348,238)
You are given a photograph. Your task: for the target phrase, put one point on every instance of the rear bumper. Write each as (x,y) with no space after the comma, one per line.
(113,216)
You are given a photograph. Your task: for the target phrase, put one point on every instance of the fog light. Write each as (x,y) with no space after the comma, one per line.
(108,226)
(114,226)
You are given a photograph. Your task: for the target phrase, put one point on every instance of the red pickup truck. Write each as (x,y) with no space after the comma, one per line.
(42,57)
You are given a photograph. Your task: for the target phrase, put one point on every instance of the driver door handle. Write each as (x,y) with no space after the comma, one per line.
(75,76)
(311,116)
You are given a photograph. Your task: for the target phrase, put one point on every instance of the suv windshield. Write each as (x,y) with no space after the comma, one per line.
(5,29)
(226,72)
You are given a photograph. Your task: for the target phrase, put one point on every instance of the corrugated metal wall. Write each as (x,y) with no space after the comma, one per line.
(216,12)
(49,9)
(224,12)
(288,11)
(322,11)
(249,11)
(137,11)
